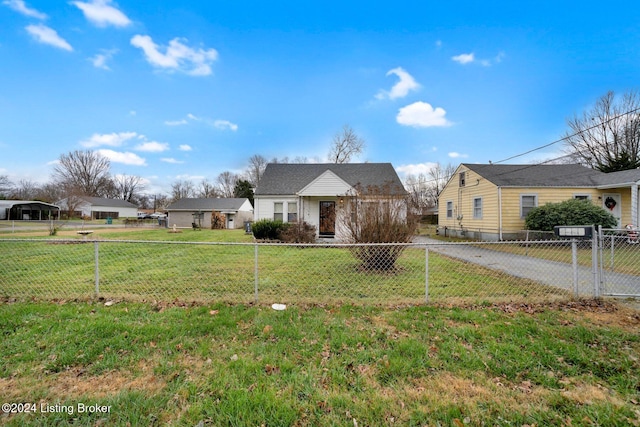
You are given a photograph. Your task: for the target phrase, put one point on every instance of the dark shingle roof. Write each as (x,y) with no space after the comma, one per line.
(290,178)
(570,175)
(194,204)
(100,201)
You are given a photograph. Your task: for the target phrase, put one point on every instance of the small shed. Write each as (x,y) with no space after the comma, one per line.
(232,212)
(27,210)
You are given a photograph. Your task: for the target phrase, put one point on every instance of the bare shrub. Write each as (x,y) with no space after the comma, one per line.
(378,215)
(298,232)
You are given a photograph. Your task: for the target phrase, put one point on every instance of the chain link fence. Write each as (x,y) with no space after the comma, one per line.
(427,271)
(620,262)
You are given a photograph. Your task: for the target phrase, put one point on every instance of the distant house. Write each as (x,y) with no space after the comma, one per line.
(27,210)
(230,212)
(316,193)
(490,202)
(98,207)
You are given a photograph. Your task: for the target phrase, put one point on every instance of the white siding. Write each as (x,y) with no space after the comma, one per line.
(327,184)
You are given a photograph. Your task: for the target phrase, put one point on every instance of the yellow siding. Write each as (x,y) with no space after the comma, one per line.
(463,199)
(511,220)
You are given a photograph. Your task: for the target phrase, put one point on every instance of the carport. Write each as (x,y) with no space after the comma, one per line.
(27,210)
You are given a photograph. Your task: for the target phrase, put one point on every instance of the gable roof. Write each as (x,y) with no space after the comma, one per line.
(201,204)
(564,175)
(290,178)
(100,201)
(568,175)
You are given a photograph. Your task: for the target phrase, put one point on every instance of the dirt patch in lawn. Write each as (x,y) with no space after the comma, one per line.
(75,383)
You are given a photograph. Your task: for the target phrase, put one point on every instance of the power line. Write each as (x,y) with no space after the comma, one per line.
(568,136)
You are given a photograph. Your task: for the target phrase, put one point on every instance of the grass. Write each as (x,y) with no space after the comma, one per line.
(246,365)
(153,265)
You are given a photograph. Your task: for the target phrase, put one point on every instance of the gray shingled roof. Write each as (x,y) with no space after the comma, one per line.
(290,178)
(116,203)
(569,175)
(537,175)
(195,204)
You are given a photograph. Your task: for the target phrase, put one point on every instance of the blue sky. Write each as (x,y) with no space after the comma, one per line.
(186,90)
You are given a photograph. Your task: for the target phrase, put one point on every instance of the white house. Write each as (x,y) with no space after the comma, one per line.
(98,207)
(316,193)
(232,212)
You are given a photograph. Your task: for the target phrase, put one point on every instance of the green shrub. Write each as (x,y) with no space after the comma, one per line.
(569,212)
(267,229)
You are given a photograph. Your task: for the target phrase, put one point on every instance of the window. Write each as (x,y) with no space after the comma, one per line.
(277,211)
(582,196)
(527,202)
(449,209)
(463,178)
(477,208)
(292,214)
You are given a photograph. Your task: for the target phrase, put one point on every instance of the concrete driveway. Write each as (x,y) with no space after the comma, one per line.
(552,273)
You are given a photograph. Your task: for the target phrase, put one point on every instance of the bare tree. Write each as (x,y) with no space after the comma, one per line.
(207,190)
(83,173)
(345,145)
(607,137)
(227,183)
(424,189)
(50,193)
(5,186)
(257,164)
(127,187)
(182,189)
(25,190)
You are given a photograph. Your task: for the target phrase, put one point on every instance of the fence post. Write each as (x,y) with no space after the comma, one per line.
(594,263)
(426,274)
(96,267)
(255,274)
(574,259)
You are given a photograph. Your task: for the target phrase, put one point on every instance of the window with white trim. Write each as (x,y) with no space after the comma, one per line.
(292,212)
(449,209)
(527,202)
(477,208)
(277,211)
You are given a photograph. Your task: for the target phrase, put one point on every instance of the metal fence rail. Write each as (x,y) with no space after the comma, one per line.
(429,271)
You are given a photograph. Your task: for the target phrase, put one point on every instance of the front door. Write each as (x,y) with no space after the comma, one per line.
(327,219)
(612,203)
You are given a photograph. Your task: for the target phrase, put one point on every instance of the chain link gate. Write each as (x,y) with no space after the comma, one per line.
(619,262)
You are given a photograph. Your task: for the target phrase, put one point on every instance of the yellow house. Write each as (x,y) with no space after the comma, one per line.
(490,202)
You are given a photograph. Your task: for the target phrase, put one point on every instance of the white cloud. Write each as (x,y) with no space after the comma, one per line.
(171,160)
(225,124)
(46,35)
(109,139)
(175,122)
(100,59)
(21,7)
(126,158)
(401,89)
(185,147)
(456,155)
(422,114)
(464,58)
(102,14)
(420,168)
(468,58)
(153,146)
(177,56)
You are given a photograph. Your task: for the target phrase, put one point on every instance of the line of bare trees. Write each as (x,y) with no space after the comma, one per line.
(87,173)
